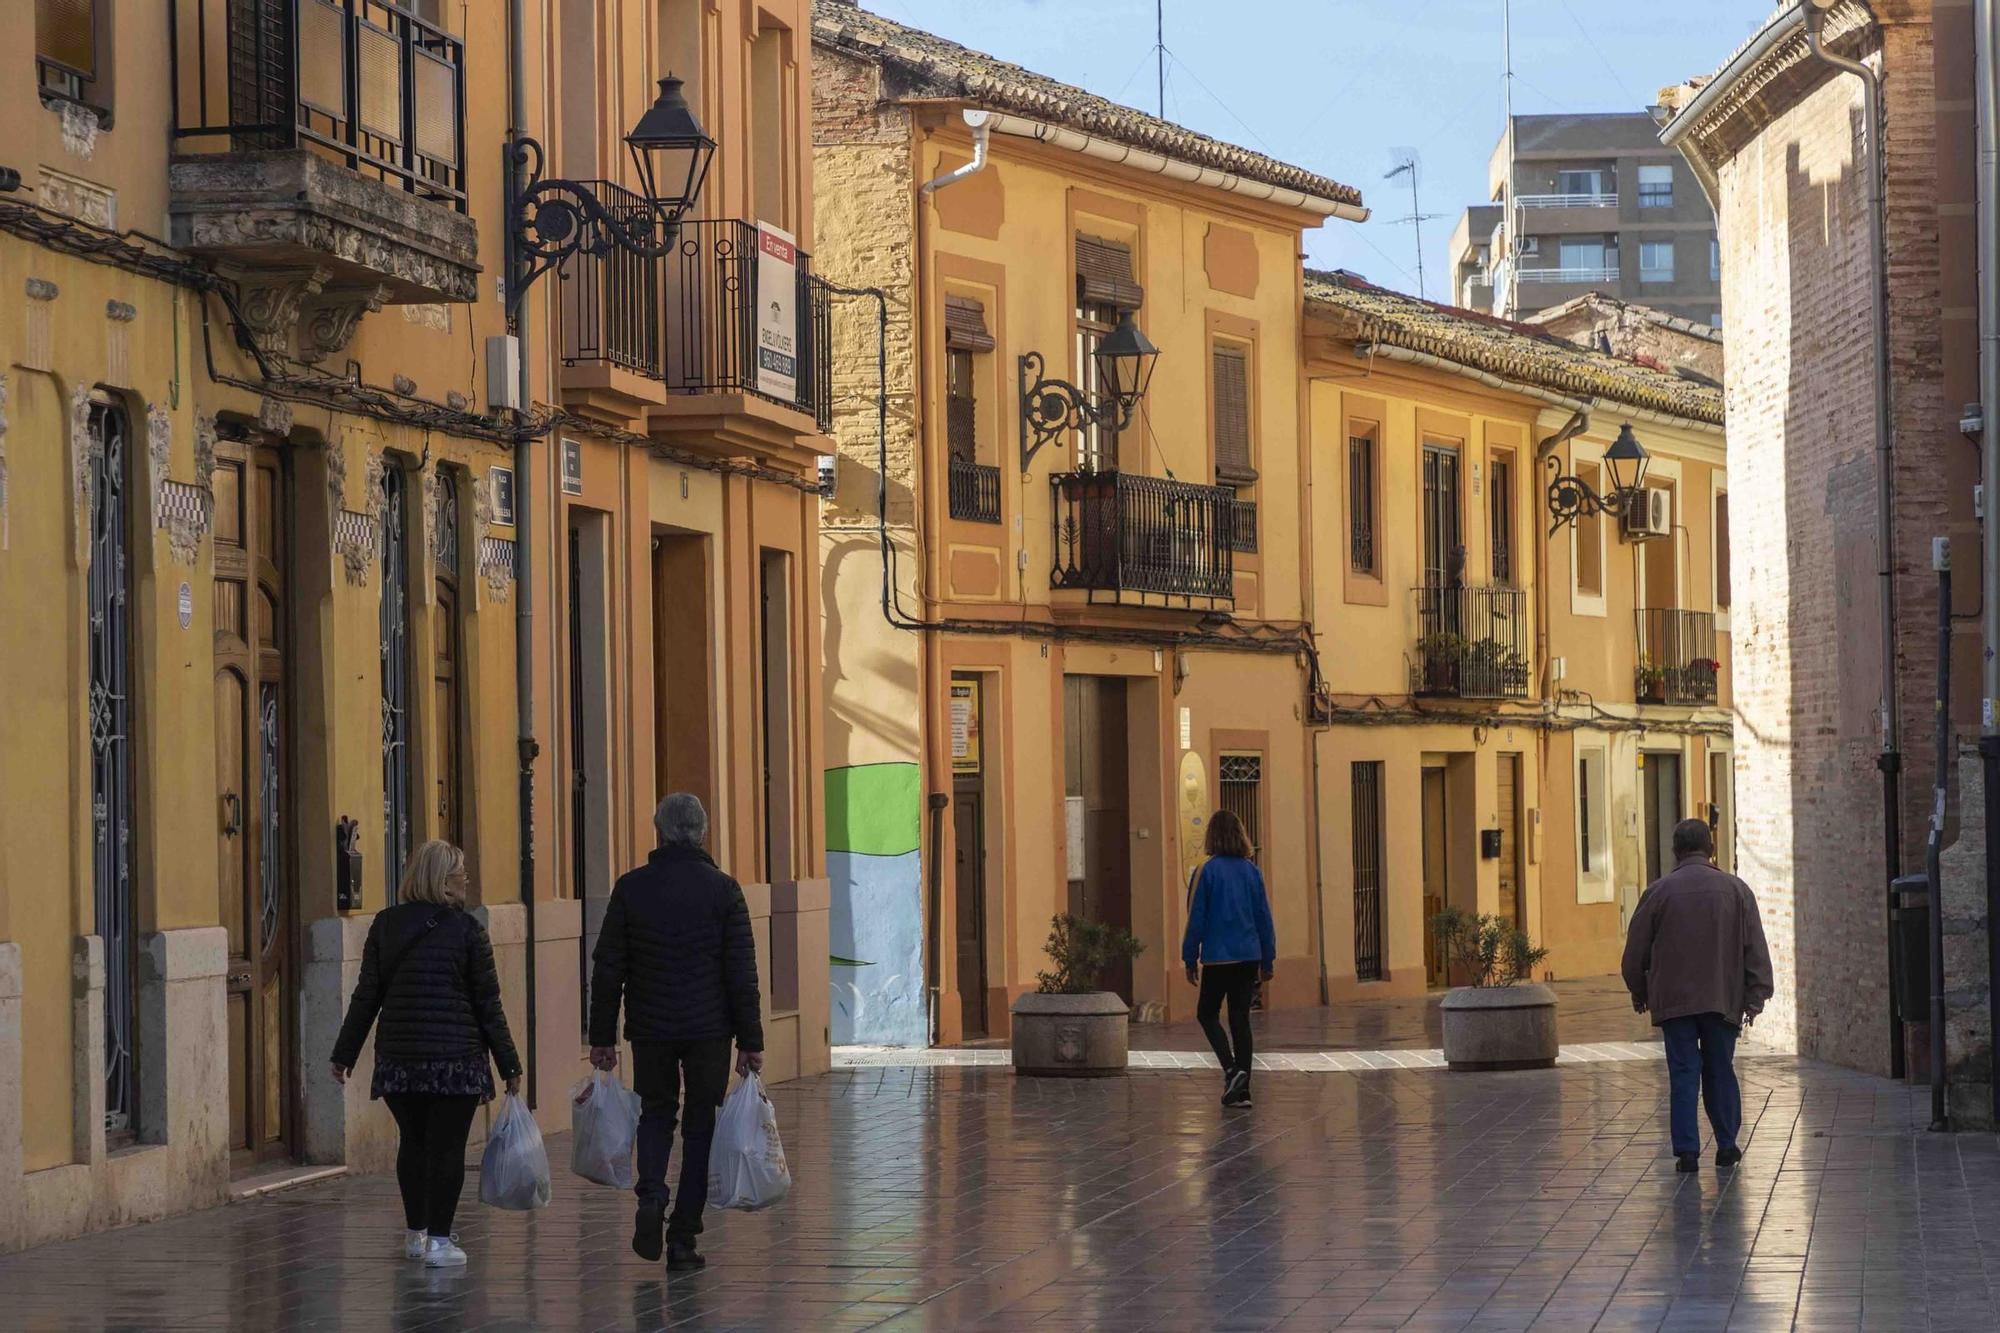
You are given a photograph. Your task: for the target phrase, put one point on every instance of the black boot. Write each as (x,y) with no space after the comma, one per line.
(1727,1157)
(1687,1163)
(681,1257)
(646,1225)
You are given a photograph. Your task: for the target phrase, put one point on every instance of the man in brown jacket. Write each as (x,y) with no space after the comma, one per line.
(1695,956)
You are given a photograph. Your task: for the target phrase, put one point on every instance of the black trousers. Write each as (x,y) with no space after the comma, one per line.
(1233,982)
(660,1069)
(430,1157)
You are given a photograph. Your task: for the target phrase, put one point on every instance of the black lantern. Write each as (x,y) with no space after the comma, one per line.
(1052,408)
(1125,360)
(1570,496)
(670,149)
(550,220)
(1626,461)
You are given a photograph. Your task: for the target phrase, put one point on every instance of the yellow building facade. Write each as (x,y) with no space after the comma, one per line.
(682,641)
(267,454)
(1514,719)
(1053,647)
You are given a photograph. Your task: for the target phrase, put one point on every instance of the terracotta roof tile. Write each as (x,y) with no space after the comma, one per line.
(929,66)
(1515,351)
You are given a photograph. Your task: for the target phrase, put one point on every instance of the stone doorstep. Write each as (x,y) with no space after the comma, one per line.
(275,1181)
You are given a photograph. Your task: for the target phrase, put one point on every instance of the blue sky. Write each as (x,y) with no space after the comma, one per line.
(1340,85)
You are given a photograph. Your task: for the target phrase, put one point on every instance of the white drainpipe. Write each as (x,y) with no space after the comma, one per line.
(982,130)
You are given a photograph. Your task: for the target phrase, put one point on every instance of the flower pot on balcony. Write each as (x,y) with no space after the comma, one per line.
(1499,1027)
(1070,1036)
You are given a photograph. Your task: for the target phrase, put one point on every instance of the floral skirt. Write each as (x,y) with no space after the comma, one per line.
(468,1076)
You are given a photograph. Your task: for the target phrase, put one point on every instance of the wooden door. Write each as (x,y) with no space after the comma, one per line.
(1513,902)
(1095,773)
(1437,879)
(969,879)
(1663,811)
(252,758)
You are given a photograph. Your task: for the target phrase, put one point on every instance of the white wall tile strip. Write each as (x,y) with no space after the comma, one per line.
(1305,1062)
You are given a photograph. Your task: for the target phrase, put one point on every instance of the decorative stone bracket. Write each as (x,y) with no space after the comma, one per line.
(185,510)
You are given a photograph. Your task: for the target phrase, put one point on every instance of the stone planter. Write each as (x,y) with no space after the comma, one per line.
(1070,1036)
(1500,1027)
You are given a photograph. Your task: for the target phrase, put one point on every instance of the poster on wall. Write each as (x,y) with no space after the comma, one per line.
(777,313)
(965,726)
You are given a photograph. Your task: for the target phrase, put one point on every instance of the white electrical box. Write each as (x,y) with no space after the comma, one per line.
(503,373)
(1652,515)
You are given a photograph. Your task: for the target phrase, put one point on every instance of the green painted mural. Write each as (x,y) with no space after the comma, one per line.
(874,809)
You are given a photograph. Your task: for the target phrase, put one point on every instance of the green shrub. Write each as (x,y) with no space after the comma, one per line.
(1081,950)
(1489,950)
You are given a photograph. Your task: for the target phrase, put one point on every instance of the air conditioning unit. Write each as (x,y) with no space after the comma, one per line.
(1531,245)
(1651,516)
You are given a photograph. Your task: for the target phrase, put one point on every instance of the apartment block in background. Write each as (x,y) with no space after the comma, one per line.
(1604,207)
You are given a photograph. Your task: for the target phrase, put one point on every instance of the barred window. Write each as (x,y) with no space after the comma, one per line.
(1361,500)
(1241,780)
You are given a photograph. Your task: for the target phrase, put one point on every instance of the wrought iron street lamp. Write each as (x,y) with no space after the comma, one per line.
(550,220)
(1571,497)
(1052,408)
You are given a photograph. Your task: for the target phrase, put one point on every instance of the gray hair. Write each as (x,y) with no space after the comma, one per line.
(681,821)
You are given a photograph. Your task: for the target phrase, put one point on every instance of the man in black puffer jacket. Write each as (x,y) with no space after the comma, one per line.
(676,945)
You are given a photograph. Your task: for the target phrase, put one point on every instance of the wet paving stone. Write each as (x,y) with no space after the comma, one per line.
(961,1198)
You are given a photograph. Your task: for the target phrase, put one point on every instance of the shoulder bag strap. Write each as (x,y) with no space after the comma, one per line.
(395,964)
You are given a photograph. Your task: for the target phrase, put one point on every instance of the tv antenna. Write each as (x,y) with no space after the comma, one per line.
(1408,163)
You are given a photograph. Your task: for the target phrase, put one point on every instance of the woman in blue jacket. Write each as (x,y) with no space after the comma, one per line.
(1229,942)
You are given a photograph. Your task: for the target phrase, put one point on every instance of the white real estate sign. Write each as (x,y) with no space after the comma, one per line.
(777,314)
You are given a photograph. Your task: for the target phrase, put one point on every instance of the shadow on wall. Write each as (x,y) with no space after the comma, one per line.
(871,683)
(875,923)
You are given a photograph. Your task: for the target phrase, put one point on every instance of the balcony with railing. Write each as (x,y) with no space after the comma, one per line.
(1243,526)
(1137,540)
(973,491)
(1678,662)
(687,322)
(319,145)
(1607,199)
(1472,642)
(1568,275)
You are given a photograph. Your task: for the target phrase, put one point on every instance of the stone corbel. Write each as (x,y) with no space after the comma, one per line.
(272,300)
(83,450)
(330,321)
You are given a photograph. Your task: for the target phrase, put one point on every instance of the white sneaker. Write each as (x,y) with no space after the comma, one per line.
(413,1244)
(443,1252)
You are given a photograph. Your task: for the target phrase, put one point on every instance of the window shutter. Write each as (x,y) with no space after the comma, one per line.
(965,325)
(1230,380)
(1722,550)
(66,35)
(1104,274)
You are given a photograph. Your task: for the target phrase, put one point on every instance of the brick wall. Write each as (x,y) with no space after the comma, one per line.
(1797,270)
(862,173)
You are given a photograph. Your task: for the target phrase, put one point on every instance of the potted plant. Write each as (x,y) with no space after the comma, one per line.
(1441,656)
(1497,1018)
(1651,682)
(1067,1027)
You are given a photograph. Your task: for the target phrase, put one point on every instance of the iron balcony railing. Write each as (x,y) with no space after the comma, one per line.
(1119,534)
(1677,657)
(1243,526)
(689,318)
(364,81)
(1606,200)
(1472,642)
(974,491)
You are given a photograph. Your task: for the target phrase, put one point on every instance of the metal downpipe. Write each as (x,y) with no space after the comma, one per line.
(524,622)
(1890,762)
(1986,66)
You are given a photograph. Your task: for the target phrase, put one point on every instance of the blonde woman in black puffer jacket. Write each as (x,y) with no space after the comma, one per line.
(429,988)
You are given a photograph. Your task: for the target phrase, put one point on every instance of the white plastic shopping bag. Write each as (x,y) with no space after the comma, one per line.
(604,1119)
(514,1170)
(746,1167)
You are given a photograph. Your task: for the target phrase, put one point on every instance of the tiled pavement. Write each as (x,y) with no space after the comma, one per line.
(964,1198)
